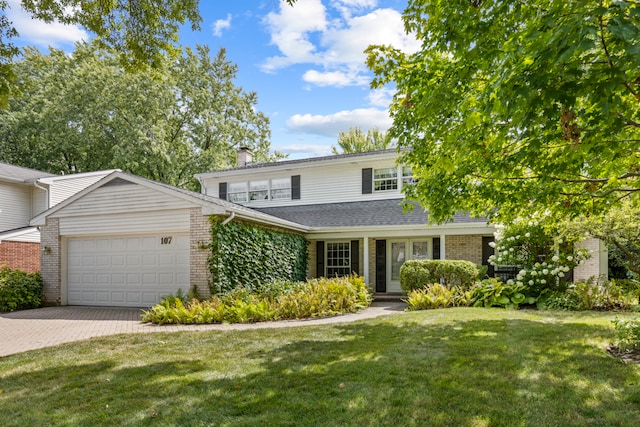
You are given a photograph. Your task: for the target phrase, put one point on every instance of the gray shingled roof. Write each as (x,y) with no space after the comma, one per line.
(305,160)
(19,174)
(357,214)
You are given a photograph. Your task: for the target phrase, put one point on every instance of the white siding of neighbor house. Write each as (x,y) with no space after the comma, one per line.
(38,201)
(62,188)
(15,206)
(125,198)
(319,183)
(31,236)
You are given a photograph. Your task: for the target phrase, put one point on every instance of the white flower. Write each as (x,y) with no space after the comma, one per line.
(534,273)
(519,283)
(545,271)
(555,258)
(531,282)
(527,234)
(536,265)
(543,281)
(570,258)
(559,241)
(522,272)
(530,224)
(565,269)
(561,274)
(510,249)
(518,237)
(509,282)
(500,259)
(492,244)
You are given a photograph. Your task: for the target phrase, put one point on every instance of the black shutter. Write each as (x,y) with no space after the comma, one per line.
(367,181)
(381,266)
(295,187)
(355,256)
(436,248)
(487,251)
(320,258)
(222,190)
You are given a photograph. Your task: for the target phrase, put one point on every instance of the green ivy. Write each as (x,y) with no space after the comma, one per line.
(246,255)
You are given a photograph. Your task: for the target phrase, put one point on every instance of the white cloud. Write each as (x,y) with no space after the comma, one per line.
(309,33)
(381,97)
(304,151)
(220,25)
(34,31)
(334,78)
(332,124)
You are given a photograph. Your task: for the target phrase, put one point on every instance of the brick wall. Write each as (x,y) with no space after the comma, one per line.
(24,256)
(51,261)
(200,236)
(468,248)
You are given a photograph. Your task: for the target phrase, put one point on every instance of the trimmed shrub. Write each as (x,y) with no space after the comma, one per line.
(415,274)
(19,290)
(284,300)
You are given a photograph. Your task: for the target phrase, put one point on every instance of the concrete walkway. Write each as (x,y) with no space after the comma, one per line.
(45,327)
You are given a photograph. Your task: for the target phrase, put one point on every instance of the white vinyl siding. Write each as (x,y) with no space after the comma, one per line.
(141,222)
(61,188)
(15,206)
(126,198)
(319,182)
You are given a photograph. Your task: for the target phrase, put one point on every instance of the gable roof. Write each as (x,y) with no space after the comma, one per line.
(360,214)
(215,205)
(19,174)
(287,164)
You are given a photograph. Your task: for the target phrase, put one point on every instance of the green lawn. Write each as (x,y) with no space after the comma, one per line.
(453,367)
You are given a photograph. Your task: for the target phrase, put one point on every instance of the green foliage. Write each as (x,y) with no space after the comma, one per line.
(415,274)
(511,106)
(249,256)
(627,335)
(590,295)
(493,293)
(542,250)
(19,290)
(83,112)
(355,141)
(430,297)
(292,300)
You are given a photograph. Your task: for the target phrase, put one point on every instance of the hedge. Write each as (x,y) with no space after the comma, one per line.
(415,274)
(19,290)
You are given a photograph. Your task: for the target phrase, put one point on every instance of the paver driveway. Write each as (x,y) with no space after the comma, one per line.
(32,329)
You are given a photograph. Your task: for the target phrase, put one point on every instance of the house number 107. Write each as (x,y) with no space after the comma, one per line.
(165,240)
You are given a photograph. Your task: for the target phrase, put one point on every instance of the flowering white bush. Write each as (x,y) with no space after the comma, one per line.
(543,256)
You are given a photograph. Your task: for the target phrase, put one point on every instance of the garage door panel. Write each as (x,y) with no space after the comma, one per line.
(126,270)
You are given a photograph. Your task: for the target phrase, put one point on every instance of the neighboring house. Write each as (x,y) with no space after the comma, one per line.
(126,240)
(25,193)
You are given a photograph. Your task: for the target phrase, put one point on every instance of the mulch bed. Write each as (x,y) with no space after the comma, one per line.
(625,356)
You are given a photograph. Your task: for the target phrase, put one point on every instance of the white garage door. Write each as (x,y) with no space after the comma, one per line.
(133,271)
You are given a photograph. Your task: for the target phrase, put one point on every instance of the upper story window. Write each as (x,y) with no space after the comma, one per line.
(385,179)
(407,176)
(281,189)
(259,190)
(237,192)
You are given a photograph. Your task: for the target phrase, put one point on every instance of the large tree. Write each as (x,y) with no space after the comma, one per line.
(356,141)
(141,31)
(83,112)
(513,106)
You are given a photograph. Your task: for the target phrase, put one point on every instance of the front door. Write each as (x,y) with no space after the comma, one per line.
(398,251)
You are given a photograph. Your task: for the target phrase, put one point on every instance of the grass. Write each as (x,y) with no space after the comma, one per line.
(453,367)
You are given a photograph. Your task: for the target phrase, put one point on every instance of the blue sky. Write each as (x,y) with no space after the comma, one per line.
(305,62)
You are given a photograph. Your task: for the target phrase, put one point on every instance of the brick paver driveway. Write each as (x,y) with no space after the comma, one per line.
(44,327)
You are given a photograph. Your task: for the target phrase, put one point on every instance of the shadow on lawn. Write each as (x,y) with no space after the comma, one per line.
(473,373)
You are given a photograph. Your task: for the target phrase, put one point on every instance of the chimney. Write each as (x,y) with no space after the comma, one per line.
(244,156)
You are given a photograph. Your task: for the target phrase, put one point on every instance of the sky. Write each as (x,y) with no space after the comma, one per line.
(306,63)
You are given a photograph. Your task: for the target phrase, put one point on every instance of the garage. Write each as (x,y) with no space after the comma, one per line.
(127,270)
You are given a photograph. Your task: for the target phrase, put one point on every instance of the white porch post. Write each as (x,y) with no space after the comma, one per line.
(365,259)
(443,248)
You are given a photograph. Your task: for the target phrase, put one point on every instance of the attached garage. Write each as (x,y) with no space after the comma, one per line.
(127,270)
(126,241)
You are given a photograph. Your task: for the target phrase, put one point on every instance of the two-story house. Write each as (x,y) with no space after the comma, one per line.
(126,240)
(25,193)
(352,205)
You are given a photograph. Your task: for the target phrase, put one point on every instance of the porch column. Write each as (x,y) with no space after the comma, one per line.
(443,247)
(365,260)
